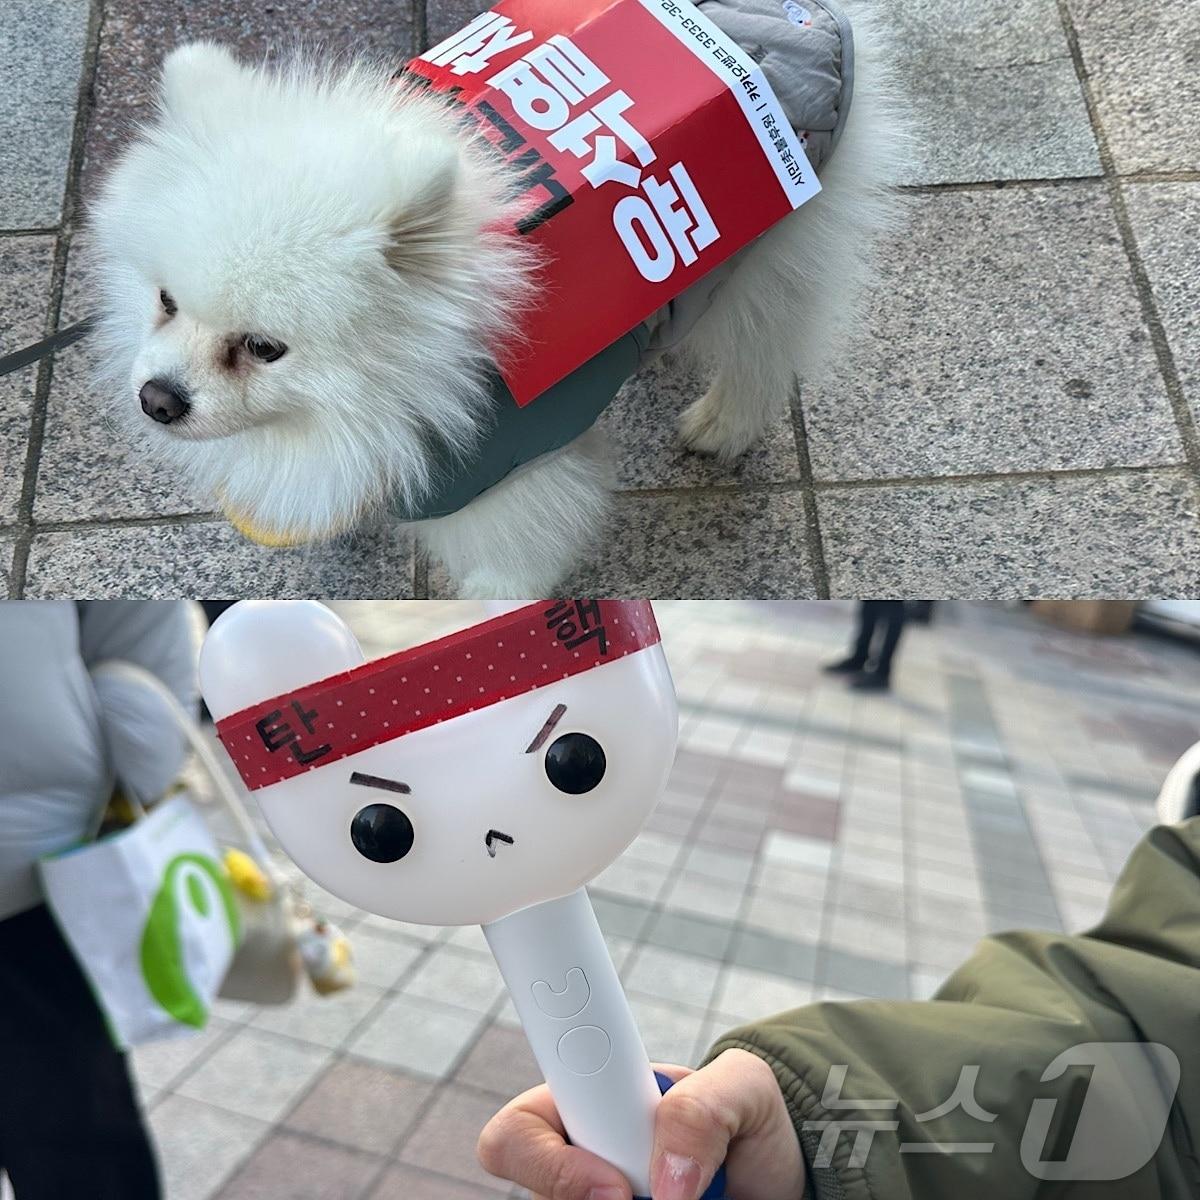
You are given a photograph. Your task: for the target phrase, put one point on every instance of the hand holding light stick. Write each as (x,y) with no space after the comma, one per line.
(483,778)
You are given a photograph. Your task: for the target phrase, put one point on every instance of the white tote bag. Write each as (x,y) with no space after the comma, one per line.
(267,966)
(152,920)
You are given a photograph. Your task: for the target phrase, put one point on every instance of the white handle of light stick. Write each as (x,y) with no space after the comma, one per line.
(579,1024)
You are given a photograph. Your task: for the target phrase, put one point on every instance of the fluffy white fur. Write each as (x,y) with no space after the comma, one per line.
(329,210)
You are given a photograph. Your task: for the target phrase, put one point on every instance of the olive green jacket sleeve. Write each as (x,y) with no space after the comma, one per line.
(1022,1001)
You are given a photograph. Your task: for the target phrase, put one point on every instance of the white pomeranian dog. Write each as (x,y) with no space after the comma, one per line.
(303,285)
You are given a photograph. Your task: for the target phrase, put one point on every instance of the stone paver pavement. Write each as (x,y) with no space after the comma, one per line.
(1020,417)
(813,845)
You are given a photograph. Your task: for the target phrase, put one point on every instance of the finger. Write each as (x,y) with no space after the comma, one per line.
(735,1096)
(524,1142)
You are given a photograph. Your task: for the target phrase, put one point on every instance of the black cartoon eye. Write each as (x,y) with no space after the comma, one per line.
(168,304)
(381,833)
(264,349)
(575,763)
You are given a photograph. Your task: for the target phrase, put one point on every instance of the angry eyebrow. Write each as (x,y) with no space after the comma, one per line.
(377,781)
(547,729)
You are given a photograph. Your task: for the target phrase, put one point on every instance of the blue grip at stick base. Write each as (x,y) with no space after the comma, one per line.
(716,1189)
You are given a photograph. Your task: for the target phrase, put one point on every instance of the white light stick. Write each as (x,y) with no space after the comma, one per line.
(480,779)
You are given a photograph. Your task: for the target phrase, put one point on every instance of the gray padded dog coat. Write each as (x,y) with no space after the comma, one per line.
(806,52)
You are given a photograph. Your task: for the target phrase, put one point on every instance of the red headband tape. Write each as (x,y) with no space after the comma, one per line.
(285,736)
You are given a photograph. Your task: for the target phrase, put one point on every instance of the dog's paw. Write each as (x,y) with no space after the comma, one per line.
(706,427)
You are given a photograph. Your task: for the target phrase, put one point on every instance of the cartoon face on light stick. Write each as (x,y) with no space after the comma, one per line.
(482,778)
(456,782)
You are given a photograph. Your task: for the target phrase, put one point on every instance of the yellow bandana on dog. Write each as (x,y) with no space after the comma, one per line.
(264,535)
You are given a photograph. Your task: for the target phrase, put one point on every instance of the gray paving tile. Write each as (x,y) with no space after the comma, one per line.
(24,295)
(443,17)
(862,975)
(641,426)
(1141,59)
(445,1138)
(923,984)
(873,898)
(89,469)
(988,352)
(1165,217)
(1087,536)
(41,58)
(156,1064)
(707,897)
(501,1062)
(994,92)
(402,1181)
(705,545)
(199,1146)
(360,1105)
(654,849)
(749,995)
(136,35)
(968,31)
(670,975)
(669,1030)
(1033,901)
(620,916)
(724,865)
(212,560)
(6,553)
(870,934)
(1001,918)
(321,1020)
(762,951)
(690,934)
(632,879)
(416,1036)
(472,979)
(293,1166)
(271,1073)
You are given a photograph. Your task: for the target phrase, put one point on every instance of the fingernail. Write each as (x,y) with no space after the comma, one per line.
(676,1178)
(606,1193)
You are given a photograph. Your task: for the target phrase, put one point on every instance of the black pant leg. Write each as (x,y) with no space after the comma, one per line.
(71,1120)
(892,613)
(868,617)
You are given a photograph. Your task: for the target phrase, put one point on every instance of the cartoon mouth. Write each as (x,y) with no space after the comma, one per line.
(494,836)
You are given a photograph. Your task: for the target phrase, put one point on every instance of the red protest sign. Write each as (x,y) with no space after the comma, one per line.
(651,149)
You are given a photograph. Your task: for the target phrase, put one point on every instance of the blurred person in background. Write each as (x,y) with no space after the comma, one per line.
(70,1123)
(873,674)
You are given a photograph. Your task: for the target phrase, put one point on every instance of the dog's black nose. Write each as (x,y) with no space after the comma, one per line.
(163,401)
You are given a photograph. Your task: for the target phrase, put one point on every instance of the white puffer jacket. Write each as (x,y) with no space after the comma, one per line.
(64,739)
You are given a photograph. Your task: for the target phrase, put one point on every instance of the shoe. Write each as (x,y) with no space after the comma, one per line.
(1180,795)
(870,681)
(845,666)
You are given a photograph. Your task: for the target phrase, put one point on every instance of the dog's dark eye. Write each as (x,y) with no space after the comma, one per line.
(263,348)
(168,304)
(575,763)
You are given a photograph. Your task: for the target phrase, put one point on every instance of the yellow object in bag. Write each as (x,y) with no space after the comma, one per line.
(247,876)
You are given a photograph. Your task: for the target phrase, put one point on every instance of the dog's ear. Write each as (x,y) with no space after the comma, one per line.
(192,72)
(417,228)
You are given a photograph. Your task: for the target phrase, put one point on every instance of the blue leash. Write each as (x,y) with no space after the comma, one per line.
(716,1189)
